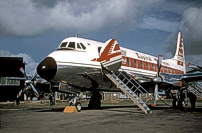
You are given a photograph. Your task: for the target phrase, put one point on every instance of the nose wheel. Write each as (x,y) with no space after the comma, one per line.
(76,104)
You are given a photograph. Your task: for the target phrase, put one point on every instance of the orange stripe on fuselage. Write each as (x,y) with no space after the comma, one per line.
(151,68)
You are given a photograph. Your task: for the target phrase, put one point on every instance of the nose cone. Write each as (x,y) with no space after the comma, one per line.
(47,68)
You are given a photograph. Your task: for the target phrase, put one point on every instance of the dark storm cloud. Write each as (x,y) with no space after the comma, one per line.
(191,29)
(47,3)
(33,17)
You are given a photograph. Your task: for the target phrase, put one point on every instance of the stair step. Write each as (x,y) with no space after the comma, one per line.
(195,90)
(114,78)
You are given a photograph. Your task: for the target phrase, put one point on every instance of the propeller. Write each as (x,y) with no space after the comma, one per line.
(157,79)
(28,84)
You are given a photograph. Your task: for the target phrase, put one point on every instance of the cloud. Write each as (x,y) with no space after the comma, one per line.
(153,23)
(196,59)
(33,17)
(30,66)
(191,29)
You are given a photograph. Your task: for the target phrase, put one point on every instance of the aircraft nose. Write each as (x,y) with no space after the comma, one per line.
(47,68)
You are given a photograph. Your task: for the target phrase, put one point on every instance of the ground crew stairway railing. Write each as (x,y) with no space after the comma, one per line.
(196,89)
(129,86)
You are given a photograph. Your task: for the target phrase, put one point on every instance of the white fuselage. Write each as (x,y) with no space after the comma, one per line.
(133,62)
(77,61)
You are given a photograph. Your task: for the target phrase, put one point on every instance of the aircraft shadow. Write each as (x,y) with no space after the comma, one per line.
(61,109)
(83,108)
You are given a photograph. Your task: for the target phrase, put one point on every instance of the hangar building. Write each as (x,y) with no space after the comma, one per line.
(10,68)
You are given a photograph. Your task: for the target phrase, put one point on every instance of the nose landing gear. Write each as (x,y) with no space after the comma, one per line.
(74,102)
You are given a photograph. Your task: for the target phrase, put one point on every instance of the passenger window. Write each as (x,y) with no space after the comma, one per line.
(71,45)
(147,65)
(142,65)
(162,69)
(63,44)
(78,46)
(83,46)
(153,67)
(135,62)
(128,60)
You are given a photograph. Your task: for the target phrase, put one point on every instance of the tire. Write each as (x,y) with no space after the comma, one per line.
(78,106)
(180,104)
(174,103)
(192,101)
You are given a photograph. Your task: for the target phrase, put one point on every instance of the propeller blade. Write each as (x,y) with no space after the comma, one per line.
(42,81)
(34,89)
(160,58)
(155,95)
(20,93)
(23,72)
(33,78)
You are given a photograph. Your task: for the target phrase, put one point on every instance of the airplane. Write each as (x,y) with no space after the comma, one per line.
(81,63)
(194,67)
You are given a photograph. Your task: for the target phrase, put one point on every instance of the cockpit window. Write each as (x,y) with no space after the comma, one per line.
(78,46)
(99,49)
(83,46)
(63,44)
(71,45)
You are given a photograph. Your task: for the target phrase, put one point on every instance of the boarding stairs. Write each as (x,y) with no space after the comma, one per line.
(130,87)
(196,89)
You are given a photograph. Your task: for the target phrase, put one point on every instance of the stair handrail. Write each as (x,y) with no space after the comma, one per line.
(135,81)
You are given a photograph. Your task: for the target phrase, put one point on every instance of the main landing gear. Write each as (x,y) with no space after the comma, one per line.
(182,99)
(95,101)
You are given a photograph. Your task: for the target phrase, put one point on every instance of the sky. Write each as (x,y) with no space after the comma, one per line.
(34,28)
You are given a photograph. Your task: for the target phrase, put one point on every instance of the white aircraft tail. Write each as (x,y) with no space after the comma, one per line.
(110,57)
(179,58)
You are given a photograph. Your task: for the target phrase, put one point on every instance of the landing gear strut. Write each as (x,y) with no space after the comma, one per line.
(51,99)
(180,99)
(192,100)
(174,103)
(95,102)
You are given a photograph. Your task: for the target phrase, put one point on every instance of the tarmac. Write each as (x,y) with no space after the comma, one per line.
(110,118)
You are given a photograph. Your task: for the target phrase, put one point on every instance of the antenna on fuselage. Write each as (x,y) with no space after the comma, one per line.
(77,34)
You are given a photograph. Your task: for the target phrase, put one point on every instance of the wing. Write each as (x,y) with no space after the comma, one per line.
(192,77)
